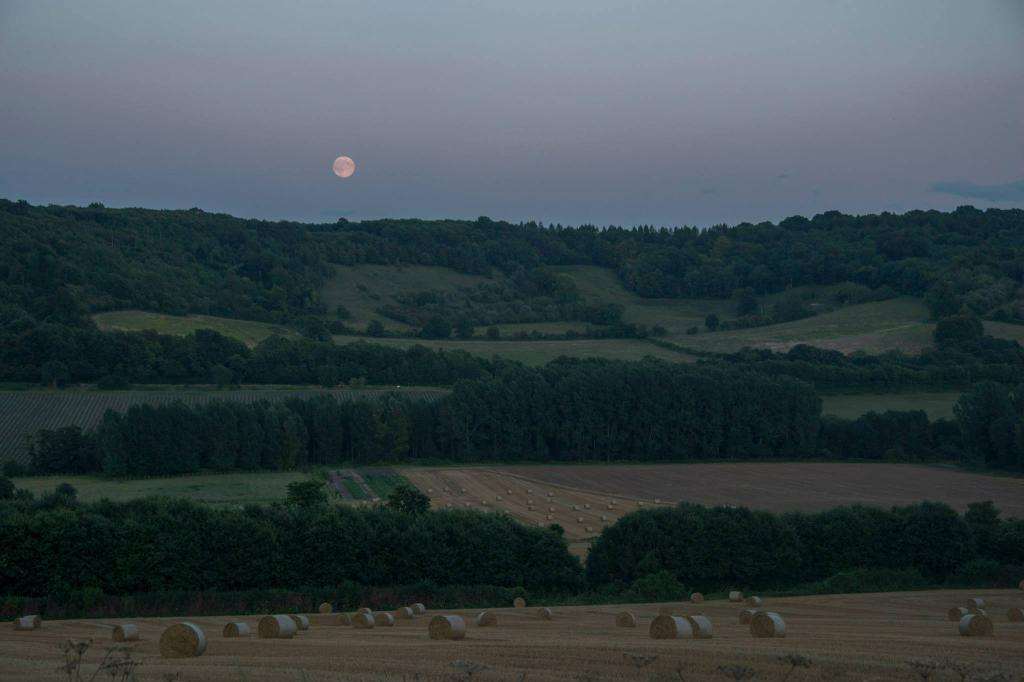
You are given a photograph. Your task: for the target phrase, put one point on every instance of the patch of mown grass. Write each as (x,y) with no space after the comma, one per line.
(382,484)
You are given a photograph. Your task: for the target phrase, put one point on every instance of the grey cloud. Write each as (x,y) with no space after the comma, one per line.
(1010,191)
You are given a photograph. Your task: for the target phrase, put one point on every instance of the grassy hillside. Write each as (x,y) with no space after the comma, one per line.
(899,323)
(937,405)
(541,352)
(364,288)
(246,331)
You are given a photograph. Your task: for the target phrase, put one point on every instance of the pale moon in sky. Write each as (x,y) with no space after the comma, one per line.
(344,167)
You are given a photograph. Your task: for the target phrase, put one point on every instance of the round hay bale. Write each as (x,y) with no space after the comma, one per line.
(126,632)
(544,613)
(754,601)
(735,596)
(551,509)
(447,627)
(579,519)
(589,529)
(28,623)
(419,609)
(519,603)
(383,619)
(325,608)
(610,506)
(767,624)
(747,615)
(486,619)
(701,626)
(625,619)
(404,613)
(497,498)
(604,517)
(363,621)
(182,640)
(549,517)
(530,507)
(276,627)
(365,609)
(508,492)
(237,630)
(975,603)
(550,494)
(1015,615)
(341,619)
(670,627)
(956,613)
(696,597)
(301,621)
(975,625)
(575,507)
(529,491)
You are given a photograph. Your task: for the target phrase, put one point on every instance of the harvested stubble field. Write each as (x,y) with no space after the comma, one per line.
(486,489)
(774,486)
(862,637)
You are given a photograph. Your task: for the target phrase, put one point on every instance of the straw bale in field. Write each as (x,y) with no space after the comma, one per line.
(696,597)
(363,621)
(747,615)
(383,619)
(956,613)
(447,627)
(404,613)
(365,609)
(701,626)
(754,601)
(277,627)
(28,623)
(975,625)
(544,613)
(325,608)
(975,603)
(519,603)
(486,619)
(182,640)
(735,596)
(238,629)
(670,627)
(301,621)
(767,624)
(341,619)
(625,619)
(126,632)
(1015,615)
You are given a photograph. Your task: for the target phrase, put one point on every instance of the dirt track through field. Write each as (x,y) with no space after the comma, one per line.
(854,637)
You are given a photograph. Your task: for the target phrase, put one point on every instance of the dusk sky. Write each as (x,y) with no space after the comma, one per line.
(666,113)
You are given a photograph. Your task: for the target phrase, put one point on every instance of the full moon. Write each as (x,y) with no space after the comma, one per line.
(344,167)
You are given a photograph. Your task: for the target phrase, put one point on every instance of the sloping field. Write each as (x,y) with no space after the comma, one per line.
(540,352)
(852,637)
(246,331)
(581,513)
(364,288)
(22,413)
(784,486)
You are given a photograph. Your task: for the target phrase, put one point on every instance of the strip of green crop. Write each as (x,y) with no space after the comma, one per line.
(353,487)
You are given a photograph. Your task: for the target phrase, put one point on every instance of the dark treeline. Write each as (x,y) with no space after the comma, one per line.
(58,264)
(158,545)
(60,355)
(78,555)
(569,411)
(720,548)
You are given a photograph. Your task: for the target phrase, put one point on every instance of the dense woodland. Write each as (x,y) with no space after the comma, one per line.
(58,547)
(569,411)
(722,547)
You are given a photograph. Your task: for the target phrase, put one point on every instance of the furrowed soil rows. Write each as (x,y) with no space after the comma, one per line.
(854,637)
(23,413)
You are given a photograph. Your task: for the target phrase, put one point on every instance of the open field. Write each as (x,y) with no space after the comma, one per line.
(246,331)
(541,352)
(936,405)
(364,288)
(785,486)
(898,323)
(22,413)
(561,493)
(216,489)
(861,637)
